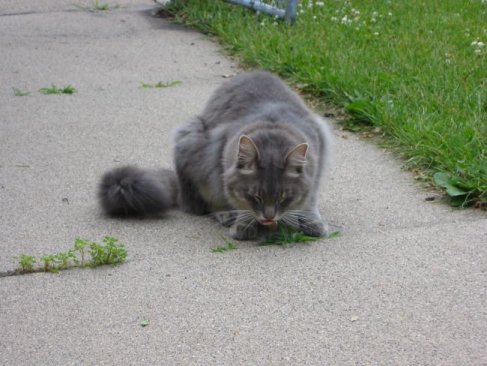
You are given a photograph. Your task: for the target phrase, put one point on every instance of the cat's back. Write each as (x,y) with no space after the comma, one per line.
(246,93)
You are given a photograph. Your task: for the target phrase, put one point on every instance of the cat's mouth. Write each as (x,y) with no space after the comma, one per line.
(268,222)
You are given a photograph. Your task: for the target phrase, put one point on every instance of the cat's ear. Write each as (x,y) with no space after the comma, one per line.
(296,160)
(248,154)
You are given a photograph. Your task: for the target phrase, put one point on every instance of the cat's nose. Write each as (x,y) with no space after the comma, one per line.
(268,218)
(269,213)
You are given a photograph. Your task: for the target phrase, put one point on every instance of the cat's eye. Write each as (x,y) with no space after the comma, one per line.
(257,198)
(282,197)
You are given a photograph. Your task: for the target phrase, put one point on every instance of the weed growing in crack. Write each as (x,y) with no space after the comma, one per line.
(224,248)
(26,263)
(96,6)
(53,89)
(109,252)
(80,246)
(288,236)
(161,84)
(20,93)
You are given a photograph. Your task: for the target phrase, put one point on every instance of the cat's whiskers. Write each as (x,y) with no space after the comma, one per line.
(300,213)
(244,218)
(224,217)
(295,219)
(230,216)
(290,221)
(250,223)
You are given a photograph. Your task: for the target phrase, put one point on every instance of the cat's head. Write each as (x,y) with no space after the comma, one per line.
(268,178)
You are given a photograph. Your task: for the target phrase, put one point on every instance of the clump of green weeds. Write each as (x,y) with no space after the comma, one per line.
(80,246)
(48,261)
(144,323)
(458,194)
(26,263)
(109,252)
(20,93)
(96,6)
(224,248)
(288,236)
(161,84)
(53,89)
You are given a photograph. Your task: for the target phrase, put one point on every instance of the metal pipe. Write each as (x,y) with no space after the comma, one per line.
(291,10)
(259,6)
(289,14)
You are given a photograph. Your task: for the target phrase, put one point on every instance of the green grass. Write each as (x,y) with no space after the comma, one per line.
(26,263)
(161,84)
(107,253)
(415,70)
(288,236)
(20,93)
(144,323)
(96,6)
(224,248)
(53,89)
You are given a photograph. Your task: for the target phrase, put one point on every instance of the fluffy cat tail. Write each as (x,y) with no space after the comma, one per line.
(132,191)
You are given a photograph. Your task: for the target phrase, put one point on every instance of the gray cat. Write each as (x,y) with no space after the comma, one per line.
(252,159)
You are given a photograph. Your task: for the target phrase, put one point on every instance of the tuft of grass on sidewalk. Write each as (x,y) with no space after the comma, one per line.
(160,84)
(287,236)
(96,7)
(415,70)
(224,248)
(110,252)
(20,93)
(53,89)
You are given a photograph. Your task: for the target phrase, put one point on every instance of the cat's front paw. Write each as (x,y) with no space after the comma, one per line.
(244,232)
(314,228)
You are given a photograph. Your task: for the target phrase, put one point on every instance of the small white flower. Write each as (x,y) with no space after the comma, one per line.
(346,20)
(274,23)
(390,14)
(320,3)
(376,33)
(334,19)
(314,16)
(477,51)
(477,45)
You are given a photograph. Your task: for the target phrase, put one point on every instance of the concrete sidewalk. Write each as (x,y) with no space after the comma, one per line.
(405,283)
